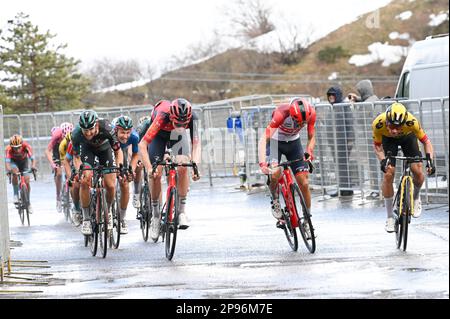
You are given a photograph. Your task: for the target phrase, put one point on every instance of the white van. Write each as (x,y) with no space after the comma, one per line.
(425,72)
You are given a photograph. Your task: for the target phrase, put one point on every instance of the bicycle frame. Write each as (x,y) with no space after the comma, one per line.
(171,184)
(285,183)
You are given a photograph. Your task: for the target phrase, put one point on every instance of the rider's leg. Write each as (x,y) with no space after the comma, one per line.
(58,182)
(109,182)
(155,187)
(302,179)
(85,186)
(124,197)
(387,189)
(418,178)
(15,181)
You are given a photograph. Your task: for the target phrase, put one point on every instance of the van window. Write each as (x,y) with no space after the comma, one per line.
(404,86)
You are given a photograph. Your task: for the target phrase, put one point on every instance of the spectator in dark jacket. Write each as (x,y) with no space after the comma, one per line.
(341,139)
(365,90)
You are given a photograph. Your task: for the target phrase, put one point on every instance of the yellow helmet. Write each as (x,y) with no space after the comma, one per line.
(396,114)
(15,140)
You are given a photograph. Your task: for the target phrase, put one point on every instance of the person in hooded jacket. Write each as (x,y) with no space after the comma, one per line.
(366,92)
(344,139)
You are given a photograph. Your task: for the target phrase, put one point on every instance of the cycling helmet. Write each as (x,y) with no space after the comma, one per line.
(15,141)
(124,122)
(66,128)
(114,121)
(54,128)
(180,112)
(88,119)
(396,114)
(300,110)
(144,118)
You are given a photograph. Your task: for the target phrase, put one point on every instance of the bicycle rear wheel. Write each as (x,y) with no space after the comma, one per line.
(171,224)
(304,219)
(289,230)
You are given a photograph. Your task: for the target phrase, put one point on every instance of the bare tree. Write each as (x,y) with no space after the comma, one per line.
(250,18)
(107,72)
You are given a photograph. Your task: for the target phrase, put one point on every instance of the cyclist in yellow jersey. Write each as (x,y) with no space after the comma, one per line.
(397,127)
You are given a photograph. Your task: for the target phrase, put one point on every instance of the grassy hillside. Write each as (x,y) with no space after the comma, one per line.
(223,76)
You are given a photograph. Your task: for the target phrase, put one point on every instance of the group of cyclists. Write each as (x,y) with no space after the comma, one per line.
(95,139)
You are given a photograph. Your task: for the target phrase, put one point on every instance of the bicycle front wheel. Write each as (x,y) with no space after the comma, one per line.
(289,230)
(103,224)
(145,211)
(171,223)
(406,201)
(24,202)
(93,238)
(115,212)
(304,219)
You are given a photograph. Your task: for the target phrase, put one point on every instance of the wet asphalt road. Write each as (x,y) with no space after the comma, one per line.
(233,250)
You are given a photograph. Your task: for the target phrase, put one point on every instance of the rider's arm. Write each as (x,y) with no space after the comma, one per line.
(8,159)
(146,140)
(29,152)
(311,134)
(119,156)
(49,155)
(429,148)
(77,161)
(379,152)
(195,139)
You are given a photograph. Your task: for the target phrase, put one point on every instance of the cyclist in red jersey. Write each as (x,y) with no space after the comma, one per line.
(18,156)
(282,137)
(169,122)
(52,154)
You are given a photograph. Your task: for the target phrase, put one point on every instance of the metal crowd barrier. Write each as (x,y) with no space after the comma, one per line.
(344,155)
(4,223)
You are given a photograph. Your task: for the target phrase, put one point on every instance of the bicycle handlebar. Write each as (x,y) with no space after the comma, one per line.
(415,159)
(287,163)
(174,164)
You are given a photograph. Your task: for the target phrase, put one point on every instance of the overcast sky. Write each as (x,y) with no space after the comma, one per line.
(152,31)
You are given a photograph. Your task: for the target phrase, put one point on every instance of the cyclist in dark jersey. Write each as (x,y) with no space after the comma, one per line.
(127,136)
(91,138)
(169,122)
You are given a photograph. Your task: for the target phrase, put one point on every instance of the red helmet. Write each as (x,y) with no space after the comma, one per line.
(300,110)
(180,112)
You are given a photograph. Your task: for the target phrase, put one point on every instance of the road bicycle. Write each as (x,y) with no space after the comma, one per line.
(169,211)
(115,209)
(403,205)
(294,210)
(66,202)
(98,209)
(144,213)
(24,201)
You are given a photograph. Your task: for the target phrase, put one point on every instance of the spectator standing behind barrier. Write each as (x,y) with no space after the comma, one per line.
(341,144)
(365,90)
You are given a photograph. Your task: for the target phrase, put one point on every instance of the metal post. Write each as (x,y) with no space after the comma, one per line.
(444,129)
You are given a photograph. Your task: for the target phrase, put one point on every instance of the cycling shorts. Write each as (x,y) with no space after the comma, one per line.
(408,143)
(291,149)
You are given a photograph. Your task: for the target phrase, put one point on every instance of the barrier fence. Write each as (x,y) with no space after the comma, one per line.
(344,156)
(4,224)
